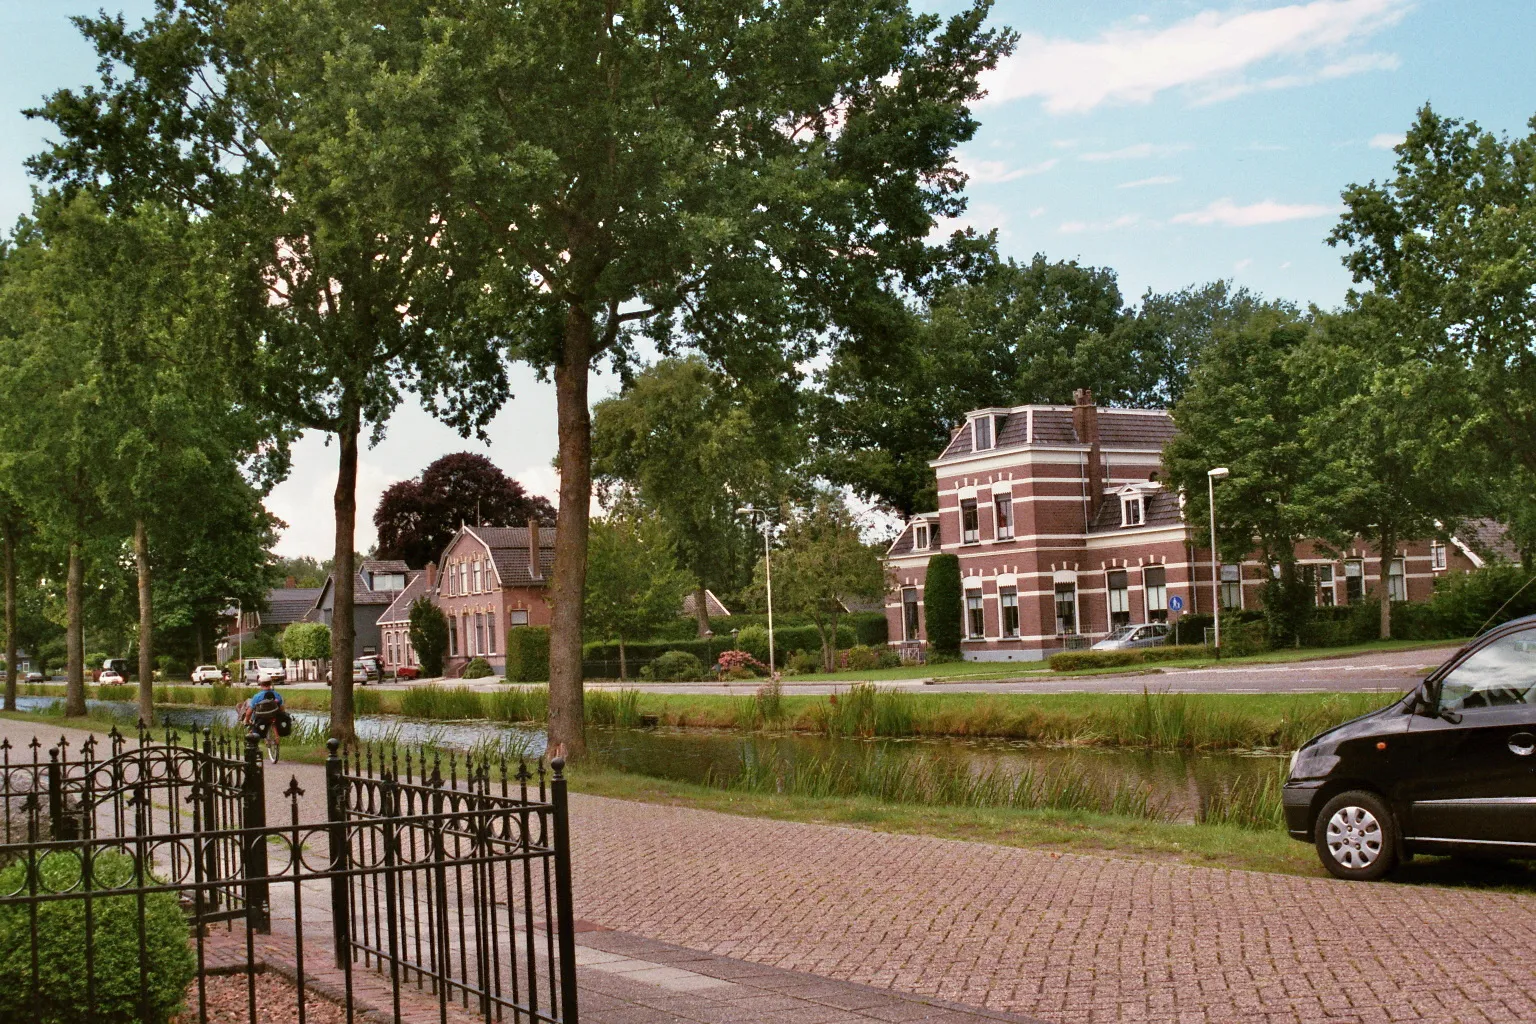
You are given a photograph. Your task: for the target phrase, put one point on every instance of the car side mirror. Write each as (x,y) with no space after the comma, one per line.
(1454,717)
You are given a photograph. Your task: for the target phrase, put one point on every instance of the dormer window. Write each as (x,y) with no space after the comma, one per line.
(981,428)
(920,536)
(1132,511)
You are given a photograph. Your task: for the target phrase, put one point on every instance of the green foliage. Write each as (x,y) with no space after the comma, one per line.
(941,605)
(93,661)
(803,664)
(619,708)
(452,703)
(1465,604)
(633,583)
(429,635)
(306,641)
(61,943)
(1073,661)
(600,660)
(674,667)
(172,667)
(754,640)
(860,658)
(527,654)
(476,668)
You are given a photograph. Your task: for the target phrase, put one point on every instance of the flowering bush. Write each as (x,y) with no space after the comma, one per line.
(739,665)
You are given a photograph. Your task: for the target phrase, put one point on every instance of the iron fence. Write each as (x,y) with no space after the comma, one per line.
(432,885)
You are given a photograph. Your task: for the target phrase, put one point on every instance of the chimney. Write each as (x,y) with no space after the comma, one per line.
(535,568)
(431,577)
(1085,421)
(291,582)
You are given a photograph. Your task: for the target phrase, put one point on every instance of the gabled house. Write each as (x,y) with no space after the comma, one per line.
(1064,532)
(492,579)
(376,584)
(395,623)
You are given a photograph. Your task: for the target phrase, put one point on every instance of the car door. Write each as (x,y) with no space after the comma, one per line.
(1470,773)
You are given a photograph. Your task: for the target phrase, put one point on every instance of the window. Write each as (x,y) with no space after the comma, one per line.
(469,637)
(970,529)
(452,581)
(1397,580)
(517,617)
(1066,608)
(1154,585)
(1325,594)
(1231,586)
(475,578)
(981,428)
(490,632)
(464,577)
(1354,582)
(480,633)
(1009,598)
(1004,518)
(1119,599)
(453,635)
(1436,555)
(920,536)
(1131,511)
(975,622)
(910,622)
(389,648)
(1503,673)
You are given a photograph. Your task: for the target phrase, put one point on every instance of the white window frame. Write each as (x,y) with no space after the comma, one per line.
(1327,587)
(1056,609)
(920,537)
(1133,511)
(1230,575)
(1437,556)
(1118,598)
(975,611)
(490,631)
(1008,598)
(911,628)
(971,536)
(1397,579)
(1002,521)
(1155,595)
(991,431)
(517,617)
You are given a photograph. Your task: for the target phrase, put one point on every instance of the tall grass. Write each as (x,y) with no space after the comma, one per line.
(609,707)
(450,703)
(930,782)
(1253,804)
(518,704)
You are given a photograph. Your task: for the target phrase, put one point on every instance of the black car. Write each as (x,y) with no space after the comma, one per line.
(1449,769)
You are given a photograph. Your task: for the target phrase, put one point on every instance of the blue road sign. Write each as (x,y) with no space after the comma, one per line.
(1175,603)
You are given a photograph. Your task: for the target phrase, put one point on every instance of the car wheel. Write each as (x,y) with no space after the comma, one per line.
(1357,837)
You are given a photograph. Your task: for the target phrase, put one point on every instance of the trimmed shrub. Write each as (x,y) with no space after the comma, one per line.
(1075,661)
(861,658)
(941,604)
(61,938)
(528,654)
(172,667)
(803,664)
(429,635)
(600,660)
(307,641)
(754,640)
(674,667)
(478,668)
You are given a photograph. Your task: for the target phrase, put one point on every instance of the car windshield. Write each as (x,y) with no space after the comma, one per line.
(207,668)
(269,663)
(1122,633)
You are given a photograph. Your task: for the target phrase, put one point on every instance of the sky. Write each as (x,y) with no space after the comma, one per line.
(1175,141)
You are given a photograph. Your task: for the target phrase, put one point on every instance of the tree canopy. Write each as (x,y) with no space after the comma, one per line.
(417,518)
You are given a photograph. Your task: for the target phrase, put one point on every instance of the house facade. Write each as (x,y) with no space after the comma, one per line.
(395,648)
(375,586)
(1064,532)
(492,578)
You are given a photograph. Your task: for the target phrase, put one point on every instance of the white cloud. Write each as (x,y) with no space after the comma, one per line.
(1158,179)
(1037,211)
(994,172)
(983,217)
(1242,264)
(1387,140)
(1226,213)
(1077,227)
(1213,52)
(1139,151)
(1354,65)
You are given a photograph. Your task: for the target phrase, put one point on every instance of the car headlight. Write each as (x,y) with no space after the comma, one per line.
(1313,762)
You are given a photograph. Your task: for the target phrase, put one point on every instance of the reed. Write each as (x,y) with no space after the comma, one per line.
(518,704)
(613,707)
(443,703)
(1251,804)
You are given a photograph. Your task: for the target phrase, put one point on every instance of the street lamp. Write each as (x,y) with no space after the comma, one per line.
(752,513)
(1211,476)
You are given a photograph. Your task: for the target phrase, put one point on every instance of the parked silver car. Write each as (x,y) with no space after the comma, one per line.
(1148,634)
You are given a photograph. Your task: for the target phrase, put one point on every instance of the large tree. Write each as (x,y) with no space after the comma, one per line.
(1244,410)
(694,446)
(1449,237)
(634,585)
(233,109)
(748,177)
(417,518)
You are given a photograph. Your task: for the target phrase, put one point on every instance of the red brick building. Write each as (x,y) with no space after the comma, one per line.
(491,579)
(1064,531)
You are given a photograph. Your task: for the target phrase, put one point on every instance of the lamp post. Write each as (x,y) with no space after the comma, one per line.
(752,513)
(1211,476)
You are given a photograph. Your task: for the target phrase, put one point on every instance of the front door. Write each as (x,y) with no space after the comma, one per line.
(1471,771)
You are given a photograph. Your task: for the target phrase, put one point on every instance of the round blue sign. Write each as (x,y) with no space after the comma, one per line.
(1175,603)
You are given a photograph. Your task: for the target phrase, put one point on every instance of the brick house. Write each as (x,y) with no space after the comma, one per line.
(1064,532)
(395,623)
(493,578)
(375,585)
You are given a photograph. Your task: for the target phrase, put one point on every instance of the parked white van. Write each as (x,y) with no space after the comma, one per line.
(264,670)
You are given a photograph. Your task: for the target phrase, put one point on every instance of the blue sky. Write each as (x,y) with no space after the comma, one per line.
(1174,141)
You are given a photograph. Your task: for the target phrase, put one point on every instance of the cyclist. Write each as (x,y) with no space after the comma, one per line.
(264,712)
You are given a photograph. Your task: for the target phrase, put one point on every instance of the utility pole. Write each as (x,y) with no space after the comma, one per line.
(1211,476)
(751,513)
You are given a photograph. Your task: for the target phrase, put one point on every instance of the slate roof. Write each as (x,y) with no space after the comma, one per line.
(289,604)
(903,545)
(1118,428)
(400,609)
(362,593)
(716,607)
(1162,509)
(1489,538)
(509,553)
(382,565)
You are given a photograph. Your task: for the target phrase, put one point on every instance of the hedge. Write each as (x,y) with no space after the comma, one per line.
(600,660)
(870,628)
(1073,661)
(528,654)
(941,605)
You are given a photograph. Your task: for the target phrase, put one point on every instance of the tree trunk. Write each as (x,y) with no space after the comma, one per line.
(343,575)
(701,608)
(833,667)
(146,624)
(623,667)
(1388,550)
(567,727)
(10,617)
(74,635)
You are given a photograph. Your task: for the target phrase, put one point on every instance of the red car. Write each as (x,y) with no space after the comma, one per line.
(408,672)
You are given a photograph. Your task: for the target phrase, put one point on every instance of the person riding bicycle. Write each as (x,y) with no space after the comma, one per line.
(265,708)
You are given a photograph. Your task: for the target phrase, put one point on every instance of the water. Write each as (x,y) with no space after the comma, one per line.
(1179,782)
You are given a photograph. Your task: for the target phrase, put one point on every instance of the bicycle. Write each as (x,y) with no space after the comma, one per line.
(265,722)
